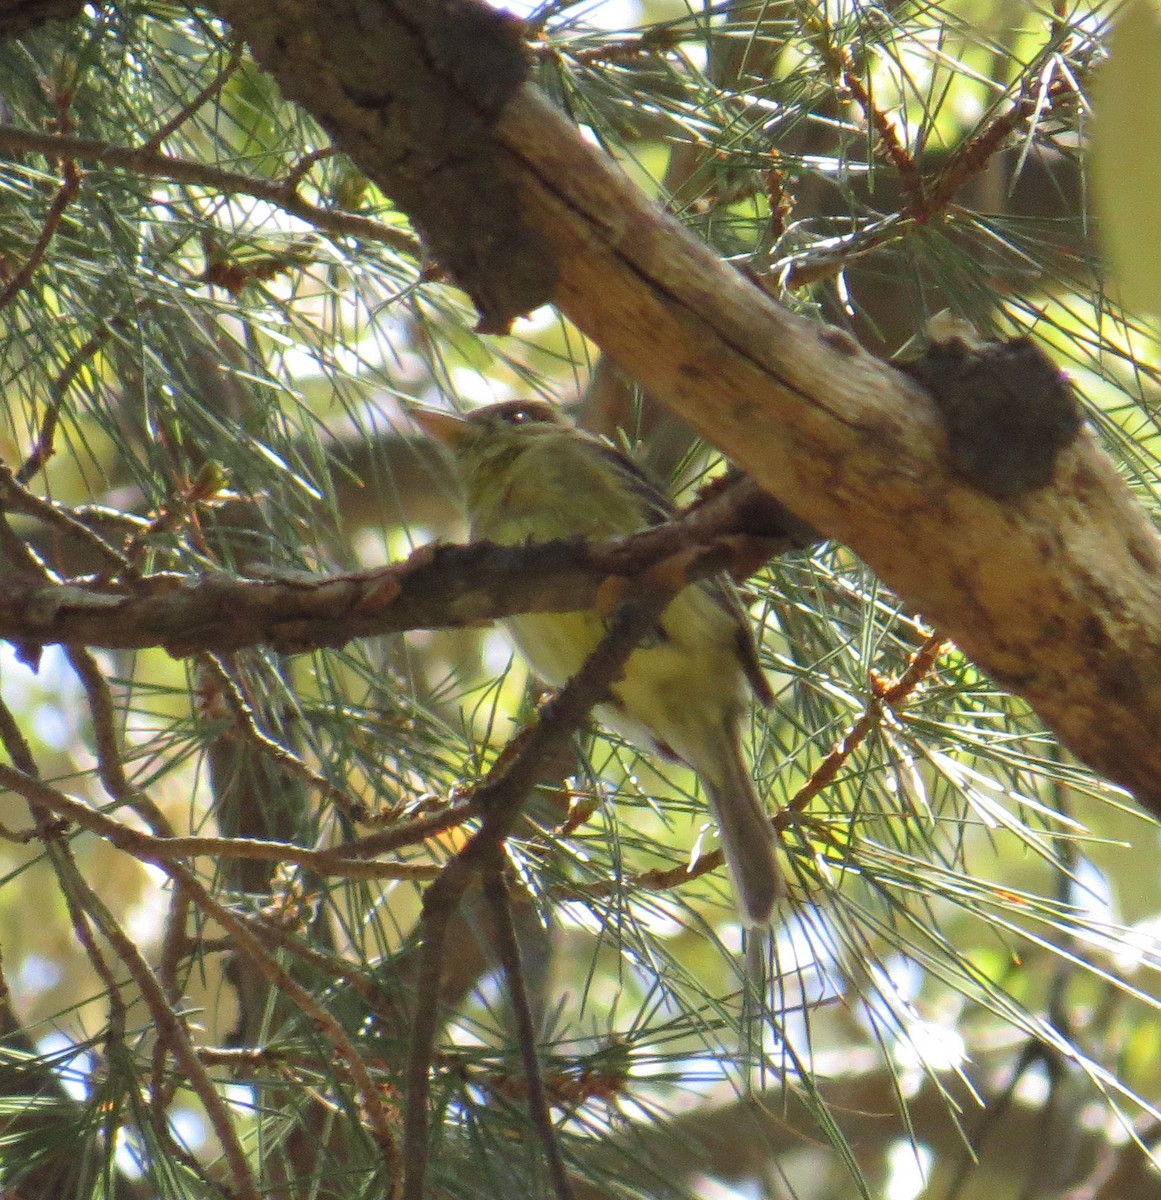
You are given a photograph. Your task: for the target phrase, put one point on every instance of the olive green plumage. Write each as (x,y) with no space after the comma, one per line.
(529,476)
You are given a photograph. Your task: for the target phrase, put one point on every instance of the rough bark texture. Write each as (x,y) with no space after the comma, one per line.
(437,586)
(1055,594)
(410,90)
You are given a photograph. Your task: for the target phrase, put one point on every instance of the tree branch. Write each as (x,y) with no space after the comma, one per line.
(500,799)
(147,160)
(1055,594)
(438,586)
(413,88)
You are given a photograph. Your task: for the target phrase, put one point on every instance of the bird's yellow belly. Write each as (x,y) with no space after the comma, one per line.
(673,693)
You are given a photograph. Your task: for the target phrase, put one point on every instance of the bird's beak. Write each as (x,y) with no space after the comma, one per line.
(441,427)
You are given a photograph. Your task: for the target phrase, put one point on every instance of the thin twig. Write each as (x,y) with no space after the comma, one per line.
(64,197)
(20,752)
(246,721)
(16,744)
(841,65)
(500,798)
(440,902)
(180,170)
(83,903)
(252,1057)
(110,764)
(972,156)
(172,1030)
(79,900)
(891,694)
(508,947)
(46,438)
(174,944)
(303,167)
(145,847)
(657,42)
(161,851)
(215,85)
(17,498)
(332,966)
(927,197)
(319,1016)
(18,556)
(409,834)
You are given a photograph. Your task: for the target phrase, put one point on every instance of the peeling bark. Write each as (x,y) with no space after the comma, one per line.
(1055,594)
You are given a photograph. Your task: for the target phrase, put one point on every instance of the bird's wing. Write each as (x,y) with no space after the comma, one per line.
(657,508)
(656,505)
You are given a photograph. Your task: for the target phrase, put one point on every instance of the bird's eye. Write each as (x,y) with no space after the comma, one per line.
(519,416)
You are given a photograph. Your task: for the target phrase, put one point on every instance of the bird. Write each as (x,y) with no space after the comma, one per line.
(528,475)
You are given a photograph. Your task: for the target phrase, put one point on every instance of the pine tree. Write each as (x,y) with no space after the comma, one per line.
(300,871)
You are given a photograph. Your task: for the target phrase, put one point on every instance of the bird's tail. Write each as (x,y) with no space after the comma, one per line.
(747,836)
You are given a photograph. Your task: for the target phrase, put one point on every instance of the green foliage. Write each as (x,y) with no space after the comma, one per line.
(219,378)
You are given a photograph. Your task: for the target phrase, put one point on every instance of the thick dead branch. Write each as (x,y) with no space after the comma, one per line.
(1055,594)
